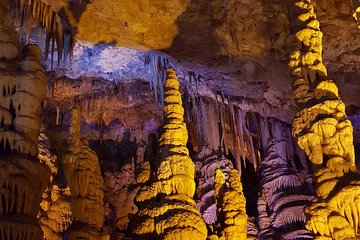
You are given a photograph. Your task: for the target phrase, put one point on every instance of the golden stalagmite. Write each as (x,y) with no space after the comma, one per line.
(167,210)
(323,130)
(231,205)
(82,173)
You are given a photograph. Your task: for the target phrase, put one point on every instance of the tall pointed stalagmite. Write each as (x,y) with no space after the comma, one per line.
(167,210)
(23,178)
(231,205)
(82,173)
(323,130)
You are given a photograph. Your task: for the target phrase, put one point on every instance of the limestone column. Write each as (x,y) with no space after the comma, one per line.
(83,176)
(323,130)
(231,206)
(167,208)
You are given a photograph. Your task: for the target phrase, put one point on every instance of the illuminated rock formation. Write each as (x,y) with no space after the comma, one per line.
(22,177)
(207,162)
(82,173)
(285,193)
(55,211)
(167,210)
(231,205)
(323,130)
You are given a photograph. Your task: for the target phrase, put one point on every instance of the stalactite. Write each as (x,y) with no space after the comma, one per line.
(234,135)
(39,11)
(82,172)
(323,130)
(240,125)
(231,205)
(57,116)
(157,67)
(174,215)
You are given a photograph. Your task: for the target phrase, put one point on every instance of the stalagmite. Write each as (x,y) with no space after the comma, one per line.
(82,173)
(323,130)
(167,210)
(207,162)
(231,205)
(55,214)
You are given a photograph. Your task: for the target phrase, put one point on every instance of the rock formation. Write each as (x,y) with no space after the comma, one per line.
(22,177)
(207,162)
(285,193)
(120,190)
(55,211)
(167,210)
(231,205)
(82,173)
(323,130)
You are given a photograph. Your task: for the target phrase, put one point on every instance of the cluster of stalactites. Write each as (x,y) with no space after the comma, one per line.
(47,14)
(324,132)
(174,216)
(231,205)
(82,172)
(221,124)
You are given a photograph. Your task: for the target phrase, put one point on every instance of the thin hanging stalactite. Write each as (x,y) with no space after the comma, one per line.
(28,12)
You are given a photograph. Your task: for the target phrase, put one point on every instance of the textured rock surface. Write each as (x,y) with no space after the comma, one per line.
(22,177)
(323,131)
(286,191)
(55,214)
(173,179)
(231,205)
(207,162)
(82,172)
(119,193)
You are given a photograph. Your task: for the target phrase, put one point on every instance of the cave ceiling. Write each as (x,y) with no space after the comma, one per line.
(239,47)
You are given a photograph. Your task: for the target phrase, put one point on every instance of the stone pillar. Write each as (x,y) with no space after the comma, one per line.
(323,130)
(167,208)
(23,178)
(83,175)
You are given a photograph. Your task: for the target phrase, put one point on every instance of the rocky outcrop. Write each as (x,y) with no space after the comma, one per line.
(167,210)
(82,173)
(323,130)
